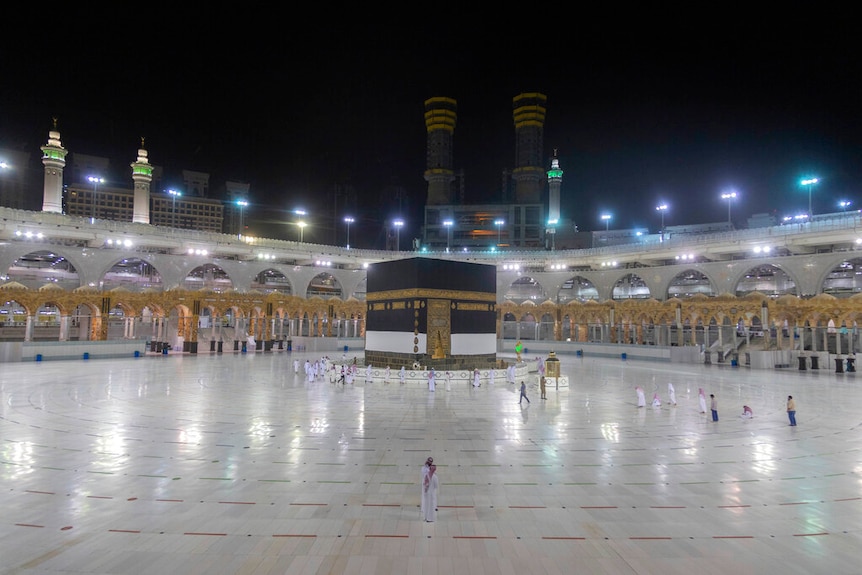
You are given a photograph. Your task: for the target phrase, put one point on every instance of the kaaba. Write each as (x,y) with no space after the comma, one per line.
(431,312)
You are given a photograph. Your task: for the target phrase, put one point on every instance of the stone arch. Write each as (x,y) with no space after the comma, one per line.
(768,279)
(208,277)
(690,282)
(524,289)
(577,288)
(630,286)
(133,274)
(843,280)
(324,285)
(38,267)
(272,280)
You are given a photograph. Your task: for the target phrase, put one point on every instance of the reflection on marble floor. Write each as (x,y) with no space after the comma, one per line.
(236,464)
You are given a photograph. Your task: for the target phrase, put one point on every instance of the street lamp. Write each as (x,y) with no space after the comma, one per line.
(95,181)
(348,220)
(844,205)
(810,183)
(301,225)
(662,209)
(448,224)
(242,205)
(607,219)
(728,196)
(499,224)
(174,195)
(398,225)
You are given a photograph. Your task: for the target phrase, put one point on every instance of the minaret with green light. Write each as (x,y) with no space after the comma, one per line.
(529,116)
(54,160)
(555,181)
(441,114)
(142,175)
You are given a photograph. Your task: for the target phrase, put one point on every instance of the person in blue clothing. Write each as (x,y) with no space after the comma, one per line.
(523,393)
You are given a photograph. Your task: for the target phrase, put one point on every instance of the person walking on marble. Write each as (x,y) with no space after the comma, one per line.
(671,394)
(429,494)
(523,393)
(701,397)
(713,406)
(641,396)
(791,410)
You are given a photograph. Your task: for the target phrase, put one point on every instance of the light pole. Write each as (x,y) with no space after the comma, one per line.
(95,181)
(844,205)
(301,224)
(348,220)
(662,209)
(398,225)
(499,224)
(810,183)
(174,195)
(242,205)
(607,219)
(728,196)
(448,224)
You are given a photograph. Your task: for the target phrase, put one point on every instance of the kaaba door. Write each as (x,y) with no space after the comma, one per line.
(438,338)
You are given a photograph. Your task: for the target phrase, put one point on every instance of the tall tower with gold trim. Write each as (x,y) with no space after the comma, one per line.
(54,160)
(441,114)
(555,182)
(142,175)
(529,173)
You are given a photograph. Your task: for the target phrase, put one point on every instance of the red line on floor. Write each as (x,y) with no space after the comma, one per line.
(238,502)
(124,530)
(810,534)
(29,525)
(795,503)
(733,536)
(170,500)
(473,537)
(849,499)
(98,497)
(381,505)
(652,538)
(39,492)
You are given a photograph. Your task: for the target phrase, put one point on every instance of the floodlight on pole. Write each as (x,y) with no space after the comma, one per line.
(301,224)
(398,225)
(95,181)
(662,208)
(810,182)
(348,220)
(242,205)
(728,196)
(607,219)
(844,205)
(499,224)
(174,195)
(448,224)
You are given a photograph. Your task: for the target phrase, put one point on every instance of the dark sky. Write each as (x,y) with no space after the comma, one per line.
(638,118)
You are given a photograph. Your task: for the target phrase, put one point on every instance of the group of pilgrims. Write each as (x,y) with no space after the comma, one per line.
(346,373)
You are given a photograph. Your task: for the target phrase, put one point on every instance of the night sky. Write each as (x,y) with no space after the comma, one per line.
(637,118)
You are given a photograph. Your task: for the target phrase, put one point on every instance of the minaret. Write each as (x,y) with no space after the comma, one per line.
(529,115)
(440,118)
(54,160)
(555,181)
(142,175)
